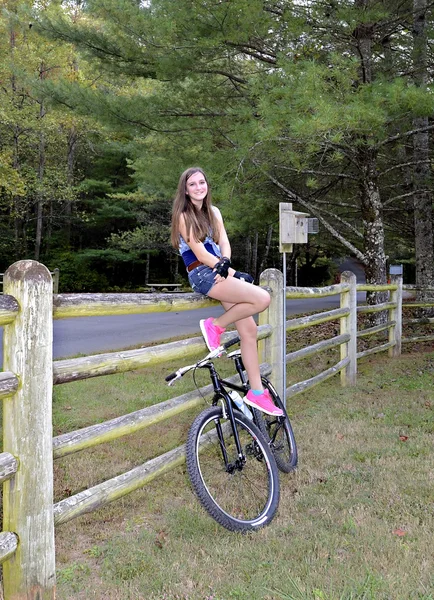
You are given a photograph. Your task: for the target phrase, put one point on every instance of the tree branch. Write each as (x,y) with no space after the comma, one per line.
(296,198)
(399,136)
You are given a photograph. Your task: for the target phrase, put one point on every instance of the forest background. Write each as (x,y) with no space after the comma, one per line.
(324,104)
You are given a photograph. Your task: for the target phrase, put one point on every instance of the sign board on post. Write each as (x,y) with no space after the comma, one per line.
(395,270)
(285,241)
(293,227)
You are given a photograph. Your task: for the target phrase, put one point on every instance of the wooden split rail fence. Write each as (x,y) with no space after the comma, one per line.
(27,309)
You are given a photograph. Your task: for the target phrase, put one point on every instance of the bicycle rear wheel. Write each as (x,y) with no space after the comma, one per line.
(278,430)
(240,493)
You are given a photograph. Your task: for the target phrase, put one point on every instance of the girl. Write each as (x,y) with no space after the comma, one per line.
(199,233)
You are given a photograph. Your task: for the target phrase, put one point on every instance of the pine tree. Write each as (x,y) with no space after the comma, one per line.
(311,102)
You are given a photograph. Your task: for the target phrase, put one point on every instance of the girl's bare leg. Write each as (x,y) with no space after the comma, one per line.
(246,300)
(247,330)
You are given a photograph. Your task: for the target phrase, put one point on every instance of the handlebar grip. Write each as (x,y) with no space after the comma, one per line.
(231,342)
(171,376)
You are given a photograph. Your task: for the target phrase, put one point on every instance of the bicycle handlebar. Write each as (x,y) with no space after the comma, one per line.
(213,354)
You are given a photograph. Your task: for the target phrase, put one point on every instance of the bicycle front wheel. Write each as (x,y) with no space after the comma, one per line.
(278,431)
(241,492)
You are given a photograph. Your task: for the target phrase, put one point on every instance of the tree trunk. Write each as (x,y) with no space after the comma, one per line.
(267,249)
(41,171)
(248,255)
(40,200)
(373,229)
(18,222)
(71,154)
(254,270)
(147,265)
(423,220)
(371,205)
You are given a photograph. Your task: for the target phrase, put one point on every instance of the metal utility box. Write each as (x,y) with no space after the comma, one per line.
(293,227)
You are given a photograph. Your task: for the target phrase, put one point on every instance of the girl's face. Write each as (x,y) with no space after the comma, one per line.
(196,188)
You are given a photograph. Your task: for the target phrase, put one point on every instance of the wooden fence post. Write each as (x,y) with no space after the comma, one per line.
(273,349)
(27,434)
(349,325)
(56,275)
(395,314)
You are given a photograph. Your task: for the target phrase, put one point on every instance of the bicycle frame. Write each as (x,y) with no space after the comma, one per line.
(220,392)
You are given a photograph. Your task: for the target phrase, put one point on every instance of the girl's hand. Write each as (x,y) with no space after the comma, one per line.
(222,268)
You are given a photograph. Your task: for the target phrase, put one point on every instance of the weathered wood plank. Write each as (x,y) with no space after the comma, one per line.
(395,316)
(348,325)
(93,435)
(8,384)
(316,319)
(418,338)
(368,308)
(298,355)
(372,330)
(373,287)
(417,304)
(89,305)
(293,292)
(117,487)
(302,386)
(109,430)
(28,434)
(85,367)
(415,288)
(272,348)
(375,350)
(8,545)
(8,309)
(8,466)
(420,321)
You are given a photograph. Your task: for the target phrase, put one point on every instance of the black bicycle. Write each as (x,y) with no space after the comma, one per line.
(233,453)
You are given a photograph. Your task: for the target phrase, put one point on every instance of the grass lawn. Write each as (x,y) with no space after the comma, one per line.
(355,521)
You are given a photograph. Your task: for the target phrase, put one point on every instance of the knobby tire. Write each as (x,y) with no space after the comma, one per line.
(278,431)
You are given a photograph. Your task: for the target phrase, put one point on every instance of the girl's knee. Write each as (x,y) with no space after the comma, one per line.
(265,300)
(247,329)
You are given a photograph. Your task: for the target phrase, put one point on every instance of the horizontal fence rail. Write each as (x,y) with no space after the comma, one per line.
(66,306)
(8,309)
(8,545)
(317,319)
(74,369)
(8,384)
(8,466)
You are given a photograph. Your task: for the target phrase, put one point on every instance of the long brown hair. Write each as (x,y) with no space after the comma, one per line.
(199,222)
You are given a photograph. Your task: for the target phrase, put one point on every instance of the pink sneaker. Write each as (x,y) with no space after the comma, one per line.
(263,403)
(211,333)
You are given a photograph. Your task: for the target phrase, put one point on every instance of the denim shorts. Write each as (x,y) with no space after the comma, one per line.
(202,279)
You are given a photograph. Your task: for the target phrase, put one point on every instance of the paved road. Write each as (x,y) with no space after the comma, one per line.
(92,335)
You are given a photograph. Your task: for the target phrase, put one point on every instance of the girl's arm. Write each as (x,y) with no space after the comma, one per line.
(198,248)
(224,243)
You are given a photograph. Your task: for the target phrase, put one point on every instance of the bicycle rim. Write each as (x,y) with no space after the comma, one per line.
(278,431)
(239,494)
